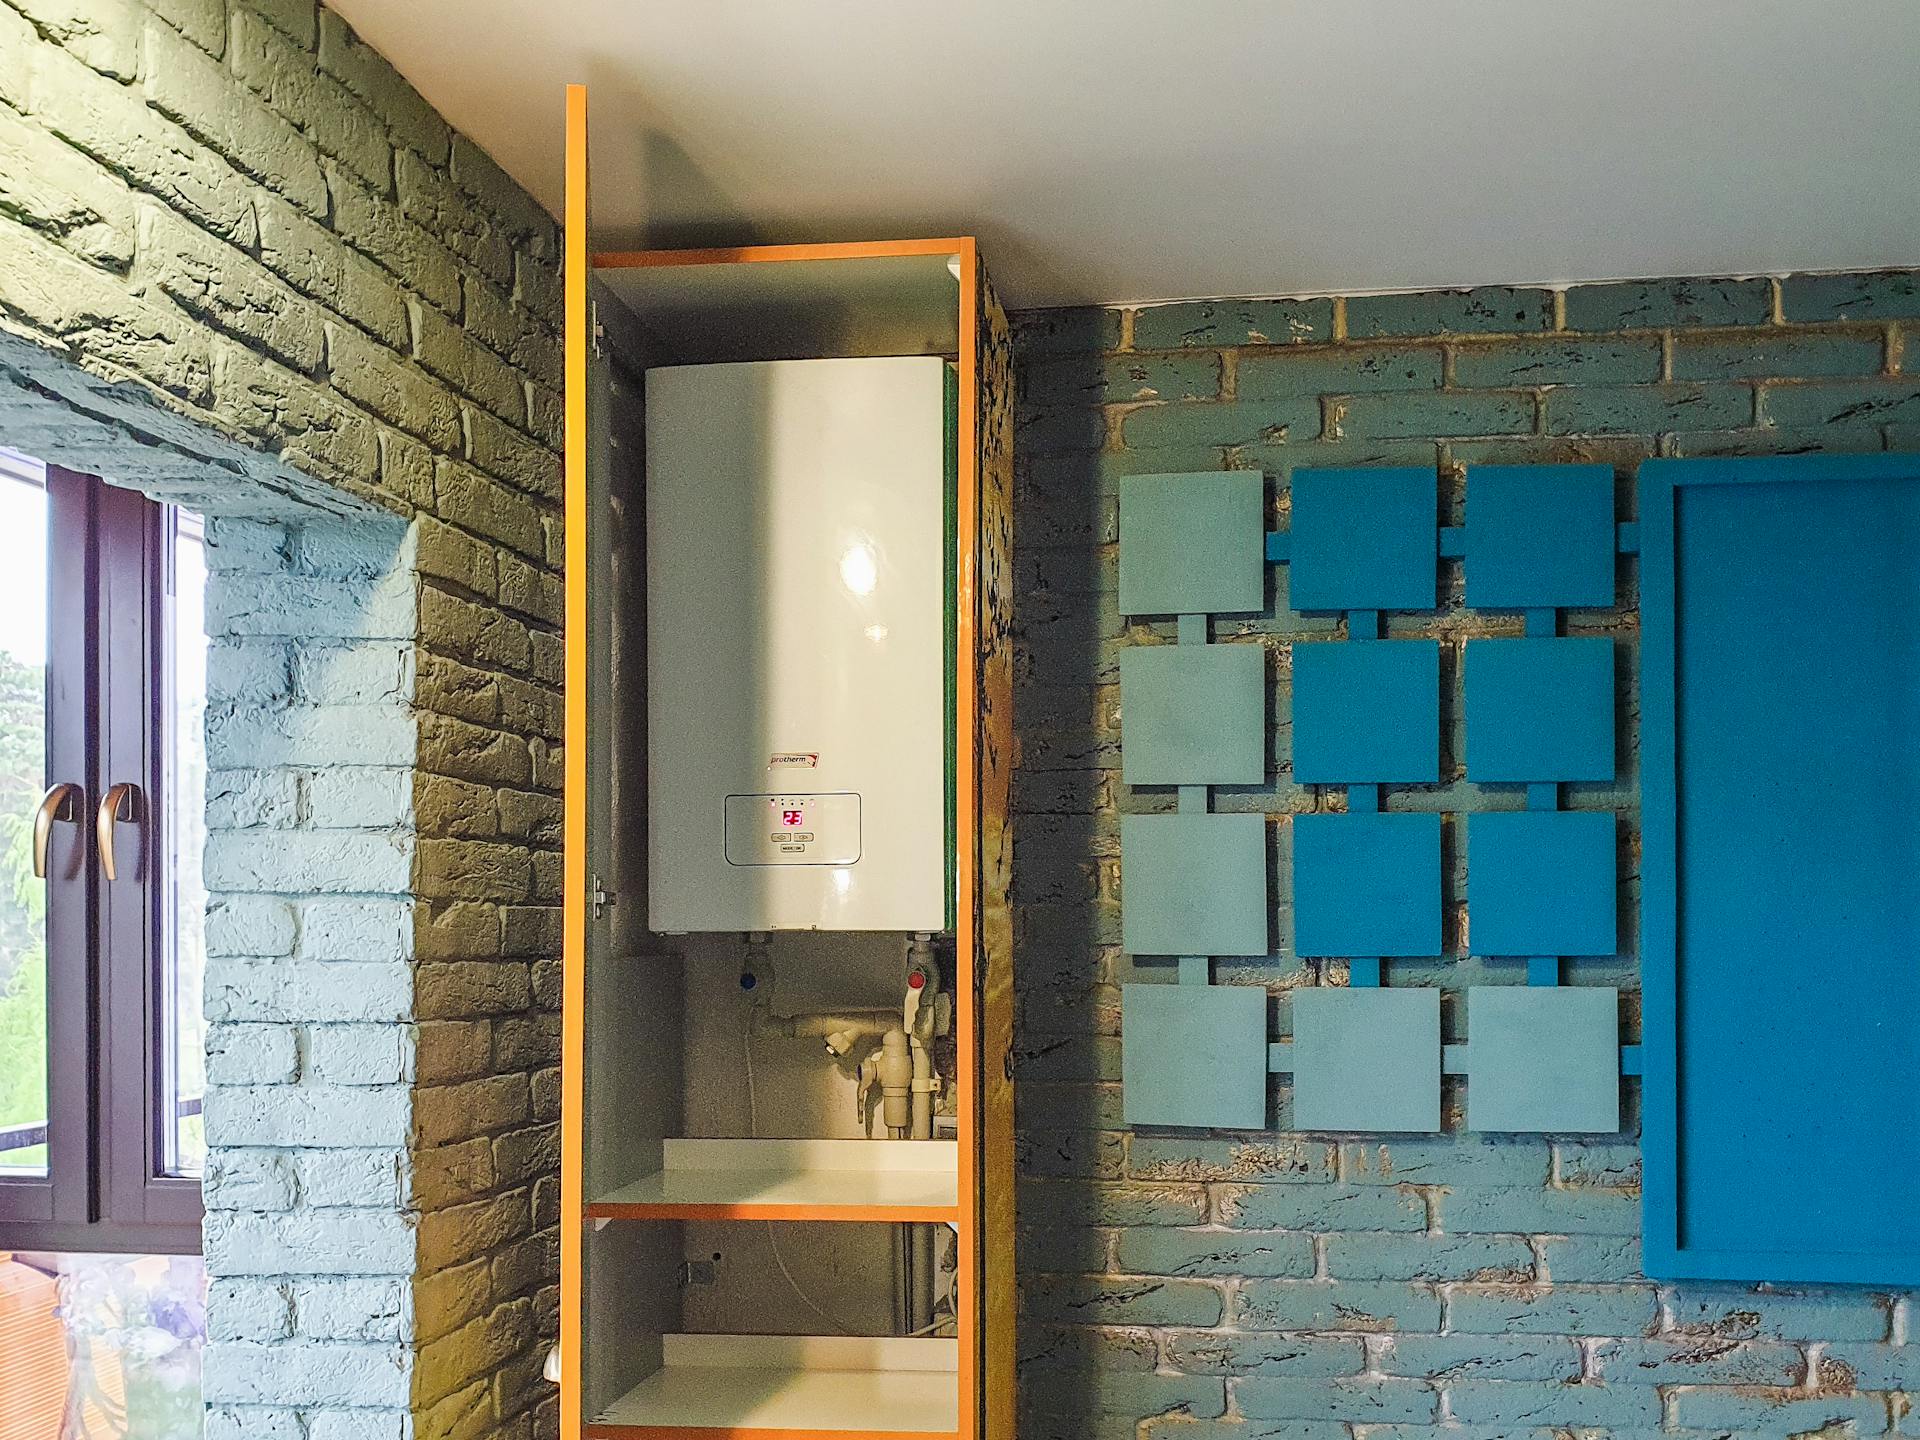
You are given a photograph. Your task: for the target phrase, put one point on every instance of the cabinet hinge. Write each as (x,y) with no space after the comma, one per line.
(602,898)
(599,330)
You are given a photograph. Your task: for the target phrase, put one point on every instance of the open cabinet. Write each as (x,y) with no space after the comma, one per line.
(762,971)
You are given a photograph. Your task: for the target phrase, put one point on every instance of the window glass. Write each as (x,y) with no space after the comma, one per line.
(183,1045)
(23,778)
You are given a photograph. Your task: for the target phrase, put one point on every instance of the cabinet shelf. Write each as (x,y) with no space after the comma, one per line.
(847,1180)
(791,1387)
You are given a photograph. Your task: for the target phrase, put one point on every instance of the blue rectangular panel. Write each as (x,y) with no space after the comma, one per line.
(1193,884)
(1539,536)
(1194,1055)
(1366,1059)
(1541,883)
(1193,714)
(1543,1057)
(1192,544)
(1781,867)
(1365,539)
(1366,712)
(1540,709)
(1366,885)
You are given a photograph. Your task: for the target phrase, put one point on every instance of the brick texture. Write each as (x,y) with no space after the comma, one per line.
(1246,1286)
(246,268)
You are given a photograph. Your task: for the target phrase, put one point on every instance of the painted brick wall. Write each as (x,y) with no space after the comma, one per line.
(243,265)
(1243,1286)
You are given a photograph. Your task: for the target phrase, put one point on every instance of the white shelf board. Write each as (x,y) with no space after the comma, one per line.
(860,1176)
(858,1386)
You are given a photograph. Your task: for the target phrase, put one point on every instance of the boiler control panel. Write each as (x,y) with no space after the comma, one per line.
(793,829)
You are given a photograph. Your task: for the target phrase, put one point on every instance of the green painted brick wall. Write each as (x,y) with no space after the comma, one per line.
(1264,1285)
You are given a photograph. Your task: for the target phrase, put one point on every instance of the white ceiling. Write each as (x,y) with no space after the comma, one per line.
(1120,150)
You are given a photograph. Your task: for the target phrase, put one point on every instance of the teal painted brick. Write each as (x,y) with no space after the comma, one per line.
(1429,1257)
(1321,1207)
(1244,1429)
(1220,1352)
(1889,295)
(1490,310)
(1430,413)
(1530,1402)
(1337,1305)
(1079,331)
(1555,1310)
(1778,1412)
(1462,1160)
(1780,440)
(1659,304)
(1602,1164)
(1157,1250)
(1104,1300)
(1699,1361)
(1362,1402)
(1846,402)
(1061,1249)
(1871,1367)
(1050,1348)
(1744,1314)
(1093,1203)
(1205,323)
(1785,353)
(1484,1357)
(1593,1257)
(1646,409)
(1220,424)
(1047,432)
(1554,1212)
(1576,361)
(1105,1392)
(1112,379)
(1338,370)
(1169,1157)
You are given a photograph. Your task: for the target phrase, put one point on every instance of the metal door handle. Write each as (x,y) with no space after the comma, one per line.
(124,796)
(61,802)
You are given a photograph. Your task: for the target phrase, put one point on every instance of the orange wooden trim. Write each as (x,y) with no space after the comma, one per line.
(741,1432)
(752,254)
(967,842)
(747,1210)
(573,900)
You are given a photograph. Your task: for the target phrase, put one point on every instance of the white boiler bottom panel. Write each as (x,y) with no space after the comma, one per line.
(796,626)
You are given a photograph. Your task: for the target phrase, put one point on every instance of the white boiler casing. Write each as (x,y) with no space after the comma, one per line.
(797,561)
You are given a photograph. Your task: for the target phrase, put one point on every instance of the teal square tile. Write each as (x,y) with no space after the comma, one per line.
(1193,544)
(1366,885)
(1541,882)
(1543,1057)
(1193,715)
(1366,712)
(1366,1059)
(1539,536)
(1194,1055)
(1193,884)
(1539,710)
(1364,538)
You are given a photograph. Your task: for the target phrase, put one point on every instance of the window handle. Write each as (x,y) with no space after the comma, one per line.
(124,797)
(61,802)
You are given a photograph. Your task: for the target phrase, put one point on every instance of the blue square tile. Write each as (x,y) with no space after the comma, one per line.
(1541,883)
(1366,712)
(1366,1059)
(1364,539)
(1193,544)
(1366,885)
(1193,884)
(1194,1055)
(1539,536)
(1539,710)
(1193,714)
(1543,1057)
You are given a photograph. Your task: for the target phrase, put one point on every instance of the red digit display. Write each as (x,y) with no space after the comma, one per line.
(792,819)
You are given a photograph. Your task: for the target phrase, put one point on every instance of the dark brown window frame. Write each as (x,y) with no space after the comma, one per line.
(104,1189)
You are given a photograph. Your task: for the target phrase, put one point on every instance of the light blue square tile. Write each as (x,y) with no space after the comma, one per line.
(1539,710)
(1193,544)
(1365,538)
(1366,885)
(1194,1055)
(1366,1059)
(1541,883)
(1193,884)
(1539,536)
(1543,1057)
(1366,712)
(1193,715)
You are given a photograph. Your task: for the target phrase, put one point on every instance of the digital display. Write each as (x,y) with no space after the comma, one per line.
(793,819)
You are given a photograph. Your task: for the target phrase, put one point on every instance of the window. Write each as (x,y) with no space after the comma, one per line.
(102,802)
